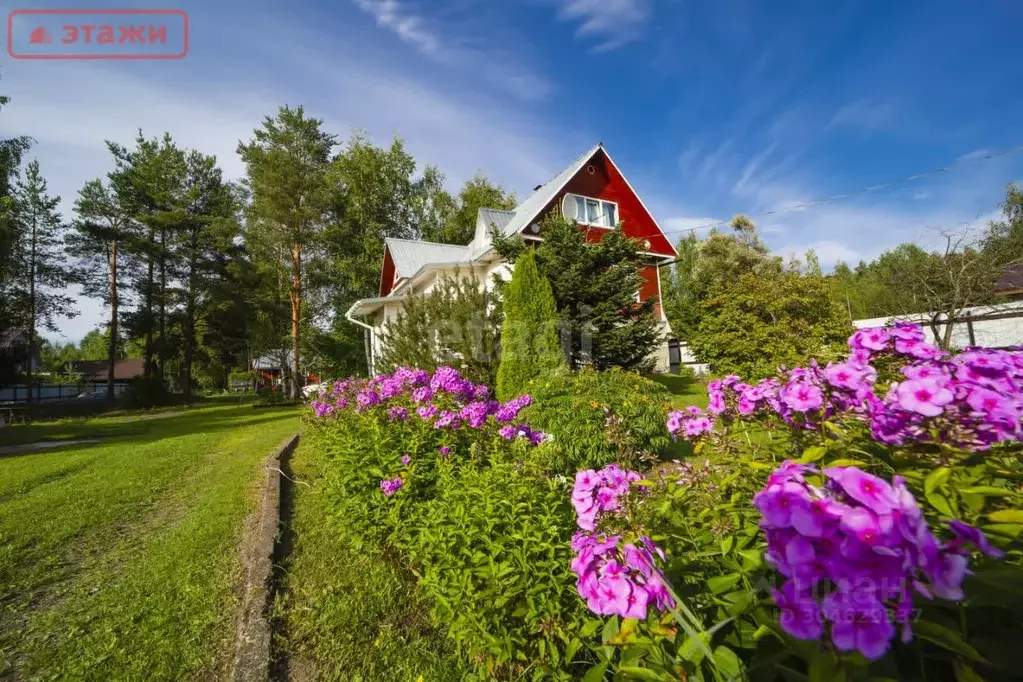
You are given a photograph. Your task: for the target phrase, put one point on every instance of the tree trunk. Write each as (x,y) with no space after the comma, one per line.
(149,310)
(296,316)
(112,346)
(161,348)
(31,312)
(189,332)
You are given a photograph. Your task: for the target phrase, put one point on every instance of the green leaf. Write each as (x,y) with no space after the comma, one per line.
(727,662)
(572,648)
(591,627)
(634,673)
(945,638)
(940,502)
(847,463)
(813,454)
(935,479)
(610,629)
(626,634)
(723,583)
(596,673)
(1006,516)
(964,673)
(727,544)
(988,490)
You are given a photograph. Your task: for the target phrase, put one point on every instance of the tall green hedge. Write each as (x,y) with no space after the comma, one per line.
(529,334)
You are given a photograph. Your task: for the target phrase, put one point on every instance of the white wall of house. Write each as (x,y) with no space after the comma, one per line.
(995,326)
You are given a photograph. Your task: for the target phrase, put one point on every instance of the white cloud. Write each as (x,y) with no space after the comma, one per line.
(409,27)
(862,115)
(497,61)
(615,22)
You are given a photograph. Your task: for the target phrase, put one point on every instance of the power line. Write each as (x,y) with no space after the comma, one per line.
(864,190)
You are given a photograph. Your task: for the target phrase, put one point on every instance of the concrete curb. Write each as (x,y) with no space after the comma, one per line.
(252,640)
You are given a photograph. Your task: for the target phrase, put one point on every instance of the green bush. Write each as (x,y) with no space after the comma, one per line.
(596,418)
(145,392)
(494,547)
(529,334)
(464,506)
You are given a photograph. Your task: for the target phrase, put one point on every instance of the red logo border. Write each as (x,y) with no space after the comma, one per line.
(18,12)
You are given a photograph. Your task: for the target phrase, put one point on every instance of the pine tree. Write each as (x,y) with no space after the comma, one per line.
(97,241)
(44,273)
(287,165)
(595,287)
(529,335)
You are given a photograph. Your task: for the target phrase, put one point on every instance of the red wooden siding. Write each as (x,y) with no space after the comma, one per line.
(650,287)
(606,183)
(387,273)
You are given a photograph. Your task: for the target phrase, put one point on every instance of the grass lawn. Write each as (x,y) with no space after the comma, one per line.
(687,391)
(118,560)
(346,614)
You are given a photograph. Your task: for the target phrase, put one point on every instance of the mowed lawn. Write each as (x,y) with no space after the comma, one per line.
(119,560)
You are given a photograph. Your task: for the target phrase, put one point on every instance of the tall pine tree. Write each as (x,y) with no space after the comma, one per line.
(44,274)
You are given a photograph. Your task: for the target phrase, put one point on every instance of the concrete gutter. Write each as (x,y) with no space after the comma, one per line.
(252,639)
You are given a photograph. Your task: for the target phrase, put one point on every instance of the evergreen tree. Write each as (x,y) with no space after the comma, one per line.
(595,287)
(11,293)
(458,324)
(97,242)
(287,164)
(39,249)
(529,336)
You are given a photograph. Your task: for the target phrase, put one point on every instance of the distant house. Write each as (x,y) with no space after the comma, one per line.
(92,371)
(268,367)
(14,344)
(1011,281)
(591,191)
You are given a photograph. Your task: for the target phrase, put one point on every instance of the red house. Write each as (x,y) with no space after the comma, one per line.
(591,191)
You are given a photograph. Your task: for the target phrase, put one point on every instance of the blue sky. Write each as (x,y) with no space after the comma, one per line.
(710,108)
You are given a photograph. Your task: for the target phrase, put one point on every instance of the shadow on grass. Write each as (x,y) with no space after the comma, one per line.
(137,428)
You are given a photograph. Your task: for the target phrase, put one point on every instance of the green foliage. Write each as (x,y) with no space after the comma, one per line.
(145,392)
(529,336)
(457,324)
(598,418)
(594,288)
(458,226)
(351,614)
(494,545)
(756,325)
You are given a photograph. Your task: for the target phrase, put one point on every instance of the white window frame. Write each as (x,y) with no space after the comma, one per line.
(569,196)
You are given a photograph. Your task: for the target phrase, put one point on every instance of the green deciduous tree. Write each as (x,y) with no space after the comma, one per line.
(459,224)
(40,261)
(530,346)
(761,322)
(595,287)
(458,324)
(287,165)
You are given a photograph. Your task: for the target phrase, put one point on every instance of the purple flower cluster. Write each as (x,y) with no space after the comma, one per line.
(509,432)
(861,542)
(391,485)
(613,576)
(971,400)
(444,399)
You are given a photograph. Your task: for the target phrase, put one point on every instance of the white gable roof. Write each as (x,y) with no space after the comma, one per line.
(410,256)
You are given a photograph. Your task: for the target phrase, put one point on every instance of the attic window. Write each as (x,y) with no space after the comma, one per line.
(590,211)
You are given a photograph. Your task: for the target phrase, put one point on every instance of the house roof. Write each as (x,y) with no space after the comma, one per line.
(365,306)
(495,217)
(410,256)
(1011,280)
(96,370)
(544,194)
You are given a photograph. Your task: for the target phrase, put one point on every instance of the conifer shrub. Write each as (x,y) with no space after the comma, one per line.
(529,334)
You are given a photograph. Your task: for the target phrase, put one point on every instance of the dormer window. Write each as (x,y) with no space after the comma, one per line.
(590,211)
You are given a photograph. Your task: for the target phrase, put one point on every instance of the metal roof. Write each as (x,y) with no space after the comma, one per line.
(410,256)
(535,202)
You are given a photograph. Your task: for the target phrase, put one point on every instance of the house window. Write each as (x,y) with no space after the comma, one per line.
(590,211)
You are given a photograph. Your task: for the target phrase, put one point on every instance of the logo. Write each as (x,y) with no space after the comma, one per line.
(97,34)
